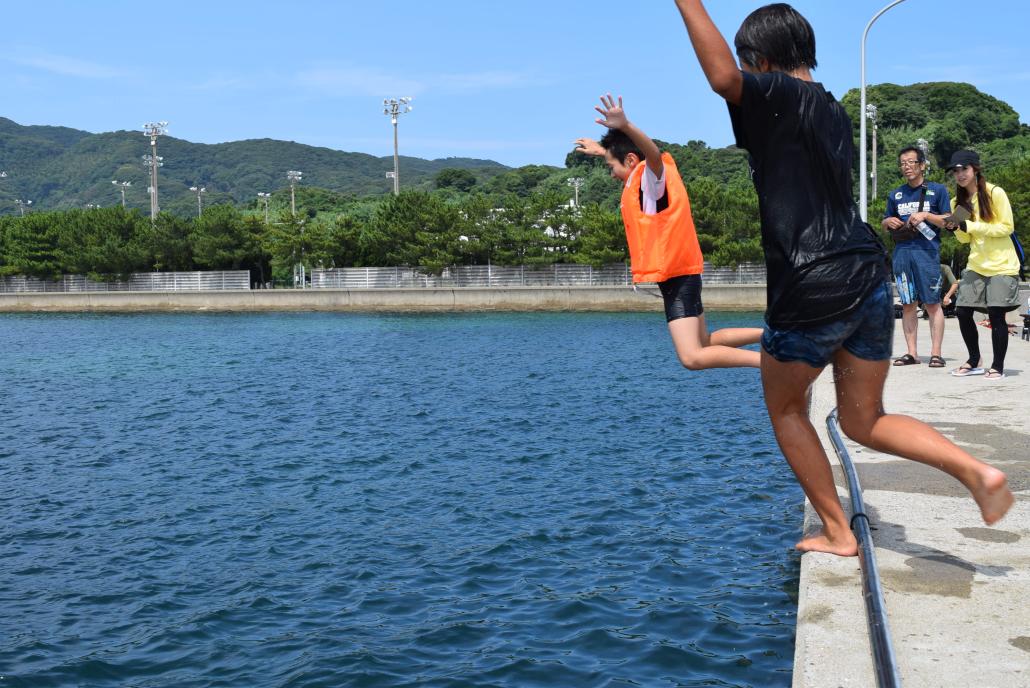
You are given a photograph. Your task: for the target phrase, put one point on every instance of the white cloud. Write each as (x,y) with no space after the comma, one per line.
(359,80)
(71,66)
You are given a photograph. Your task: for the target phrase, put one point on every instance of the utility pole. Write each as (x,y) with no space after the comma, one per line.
(870,112)
(152,130)
(575,183)
(264,197)
(395,107)
(121,187)
(199,190)
(294,176)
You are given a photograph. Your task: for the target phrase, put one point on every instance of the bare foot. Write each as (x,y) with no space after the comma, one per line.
(993,495)
(845,546)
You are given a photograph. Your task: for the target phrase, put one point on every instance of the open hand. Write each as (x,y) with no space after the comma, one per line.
(589,147)
(612,114)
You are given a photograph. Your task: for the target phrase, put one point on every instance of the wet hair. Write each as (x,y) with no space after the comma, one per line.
(619,145)
(778,33)
(983,198)
(920,155)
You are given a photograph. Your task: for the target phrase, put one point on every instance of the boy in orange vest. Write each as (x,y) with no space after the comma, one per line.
(662,242)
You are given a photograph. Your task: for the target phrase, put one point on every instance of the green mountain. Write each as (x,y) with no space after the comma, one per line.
(61,168)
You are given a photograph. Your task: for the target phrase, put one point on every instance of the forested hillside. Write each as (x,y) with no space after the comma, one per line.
(453,211)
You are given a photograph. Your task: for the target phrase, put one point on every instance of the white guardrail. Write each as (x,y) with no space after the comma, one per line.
(559,274)
(225,280)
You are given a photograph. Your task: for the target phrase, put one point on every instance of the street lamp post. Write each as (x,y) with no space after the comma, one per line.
(22,205)
(395,107)
(298,269)
(863,192)
(294,176)
(575,183)
(870,112)
(152,130)
(121,187)
(264,197)
(199,190)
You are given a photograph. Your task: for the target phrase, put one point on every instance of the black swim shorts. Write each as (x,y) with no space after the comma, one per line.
(682,297)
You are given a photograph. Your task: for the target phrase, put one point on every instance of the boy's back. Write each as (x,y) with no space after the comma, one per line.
(822,259)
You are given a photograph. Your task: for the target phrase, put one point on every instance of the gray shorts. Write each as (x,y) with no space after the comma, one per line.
(980,293)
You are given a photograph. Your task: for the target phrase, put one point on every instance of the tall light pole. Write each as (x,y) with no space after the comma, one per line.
(294,176)
(870,113)
(264,197)
(575,183)
(395,107)
(121,187)
(863,192)
(199,190)
(152,130)
(21,206)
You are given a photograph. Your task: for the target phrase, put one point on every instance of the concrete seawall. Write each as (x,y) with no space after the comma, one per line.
(619,298)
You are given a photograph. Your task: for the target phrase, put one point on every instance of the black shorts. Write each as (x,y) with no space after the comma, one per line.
(682,297)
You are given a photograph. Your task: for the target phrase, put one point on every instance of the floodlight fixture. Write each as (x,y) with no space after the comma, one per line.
(121,187)
(294,176)
(200,191)
(152,130)
(264,197)
(394,108)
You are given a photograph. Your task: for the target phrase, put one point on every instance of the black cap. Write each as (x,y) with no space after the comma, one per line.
(962,158)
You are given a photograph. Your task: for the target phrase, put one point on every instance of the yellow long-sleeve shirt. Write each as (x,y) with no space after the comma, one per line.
(991,251)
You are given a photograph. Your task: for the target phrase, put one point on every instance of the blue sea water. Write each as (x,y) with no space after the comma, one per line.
(450,500)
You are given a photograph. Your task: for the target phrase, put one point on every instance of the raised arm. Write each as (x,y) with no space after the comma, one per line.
(614,117)
(712,51)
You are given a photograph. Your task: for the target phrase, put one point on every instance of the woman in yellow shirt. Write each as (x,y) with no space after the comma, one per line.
(990,282)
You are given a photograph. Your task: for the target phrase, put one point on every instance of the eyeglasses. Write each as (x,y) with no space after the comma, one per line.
(909,163)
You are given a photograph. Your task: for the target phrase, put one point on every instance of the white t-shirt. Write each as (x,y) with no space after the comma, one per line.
(653,188)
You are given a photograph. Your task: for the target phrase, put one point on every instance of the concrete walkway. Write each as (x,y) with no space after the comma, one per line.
(957,592)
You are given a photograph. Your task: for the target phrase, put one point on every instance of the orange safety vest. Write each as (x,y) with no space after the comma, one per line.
(664,245)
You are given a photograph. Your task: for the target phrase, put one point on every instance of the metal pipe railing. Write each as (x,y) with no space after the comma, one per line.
(884,660)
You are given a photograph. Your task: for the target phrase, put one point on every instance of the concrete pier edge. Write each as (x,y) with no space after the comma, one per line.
(957,592)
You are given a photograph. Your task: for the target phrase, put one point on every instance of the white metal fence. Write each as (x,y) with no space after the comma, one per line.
(224,280)
(559,274)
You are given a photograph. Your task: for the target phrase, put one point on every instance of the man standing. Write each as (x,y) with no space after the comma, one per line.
(913,210)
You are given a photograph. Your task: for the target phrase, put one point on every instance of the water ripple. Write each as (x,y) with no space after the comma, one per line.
(335,500)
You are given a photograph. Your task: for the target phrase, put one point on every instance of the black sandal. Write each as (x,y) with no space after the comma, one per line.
(936,362)
(907,359)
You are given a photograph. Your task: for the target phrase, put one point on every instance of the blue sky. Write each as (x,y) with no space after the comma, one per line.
(510,81)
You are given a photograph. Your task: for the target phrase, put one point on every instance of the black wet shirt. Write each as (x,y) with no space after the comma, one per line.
(821,259)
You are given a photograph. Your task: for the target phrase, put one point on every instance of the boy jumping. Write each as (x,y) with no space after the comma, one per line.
(662,242)
(829,299)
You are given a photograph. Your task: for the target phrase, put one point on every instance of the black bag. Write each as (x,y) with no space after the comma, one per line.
(908,233)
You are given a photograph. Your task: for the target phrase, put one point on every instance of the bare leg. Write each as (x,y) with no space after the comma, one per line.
(696,350)
(910,326)
(786,388)
(936,315)
(736,336)
(859,386)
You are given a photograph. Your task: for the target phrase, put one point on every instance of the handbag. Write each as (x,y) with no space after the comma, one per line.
(908,233)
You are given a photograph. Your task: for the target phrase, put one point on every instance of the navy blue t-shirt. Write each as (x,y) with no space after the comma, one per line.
(821,259)
(904,201)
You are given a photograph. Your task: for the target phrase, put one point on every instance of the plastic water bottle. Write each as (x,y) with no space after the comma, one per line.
(926,231)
